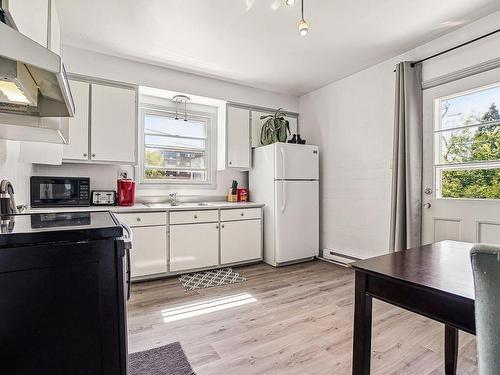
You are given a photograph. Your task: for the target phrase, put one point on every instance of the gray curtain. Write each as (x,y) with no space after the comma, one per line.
(406,204)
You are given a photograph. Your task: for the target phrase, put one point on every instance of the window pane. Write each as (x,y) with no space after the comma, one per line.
(473,108)
(480,143)
(178,143)
(171,126)
(162,174)
(470,183)
(175,159)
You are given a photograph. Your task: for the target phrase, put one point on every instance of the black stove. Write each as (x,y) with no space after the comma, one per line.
(23,229)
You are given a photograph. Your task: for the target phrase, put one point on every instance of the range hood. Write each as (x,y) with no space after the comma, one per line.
(34,90)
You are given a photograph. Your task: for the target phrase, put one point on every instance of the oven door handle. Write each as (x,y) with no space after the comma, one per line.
(127,241)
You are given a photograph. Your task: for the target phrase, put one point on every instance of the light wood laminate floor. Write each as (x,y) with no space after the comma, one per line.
(292,320)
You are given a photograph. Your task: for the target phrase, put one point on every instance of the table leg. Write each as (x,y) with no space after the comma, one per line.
(362,326)
(450,350)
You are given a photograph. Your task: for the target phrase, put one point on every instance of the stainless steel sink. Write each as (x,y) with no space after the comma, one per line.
(182,204)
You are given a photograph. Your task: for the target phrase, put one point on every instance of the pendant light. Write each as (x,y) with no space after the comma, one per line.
(303,26)
(183,99)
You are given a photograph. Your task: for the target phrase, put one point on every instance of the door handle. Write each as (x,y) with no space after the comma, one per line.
(283,203)
(282,162)
(427,205)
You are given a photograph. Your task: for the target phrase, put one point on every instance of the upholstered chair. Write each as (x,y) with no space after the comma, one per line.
(486,269)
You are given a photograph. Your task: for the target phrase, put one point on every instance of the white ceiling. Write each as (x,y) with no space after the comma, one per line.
(255,42)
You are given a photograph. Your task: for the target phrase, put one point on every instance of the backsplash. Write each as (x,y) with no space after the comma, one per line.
(103,176)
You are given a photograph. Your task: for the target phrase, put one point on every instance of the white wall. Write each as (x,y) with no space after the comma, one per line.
(95,64)
(352,121)
(15,171)
(104,177)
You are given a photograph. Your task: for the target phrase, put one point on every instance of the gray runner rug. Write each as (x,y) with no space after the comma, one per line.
(165,360)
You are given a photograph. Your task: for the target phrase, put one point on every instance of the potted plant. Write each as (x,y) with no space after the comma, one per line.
(275,128)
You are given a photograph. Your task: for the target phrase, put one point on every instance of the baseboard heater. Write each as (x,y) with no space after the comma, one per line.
(336,257)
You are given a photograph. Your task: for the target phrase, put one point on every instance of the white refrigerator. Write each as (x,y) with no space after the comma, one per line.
(285,177)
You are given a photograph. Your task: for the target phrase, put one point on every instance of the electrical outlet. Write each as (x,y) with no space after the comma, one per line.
(122,174)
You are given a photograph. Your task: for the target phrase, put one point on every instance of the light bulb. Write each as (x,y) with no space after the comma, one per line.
(303,27)
(290,2)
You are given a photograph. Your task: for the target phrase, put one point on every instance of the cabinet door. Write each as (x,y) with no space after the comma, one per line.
(54,39)
(78,146)
(194,246)
(148,255)
(113,124)
(31,18)
(238,138)
(240,241)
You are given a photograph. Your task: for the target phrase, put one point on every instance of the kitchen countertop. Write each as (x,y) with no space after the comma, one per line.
(151,207)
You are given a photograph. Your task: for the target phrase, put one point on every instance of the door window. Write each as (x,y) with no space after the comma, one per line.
(467,144)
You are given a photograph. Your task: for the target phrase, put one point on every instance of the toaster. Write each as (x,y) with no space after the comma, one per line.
(103,198)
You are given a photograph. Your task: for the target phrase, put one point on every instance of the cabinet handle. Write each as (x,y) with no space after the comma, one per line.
(84,155)
(242,214)
(196,216)
(230,162)
(138,219)
(222,225)
(93,155)
(217,226)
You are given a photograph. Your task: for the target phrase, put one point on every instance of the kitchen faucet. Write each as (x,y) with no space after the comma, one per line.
(173,199)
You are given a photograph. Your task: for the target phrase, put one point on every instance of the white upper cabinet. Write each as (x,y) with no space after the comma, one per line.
(78,147)
(113,124)
(38,20)
(31,18)
(54,37)
(238,138)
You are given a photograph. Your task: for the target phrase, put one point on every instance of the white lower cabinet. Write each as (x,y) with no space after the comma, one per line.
(149,251)
(194,246)
(240,241)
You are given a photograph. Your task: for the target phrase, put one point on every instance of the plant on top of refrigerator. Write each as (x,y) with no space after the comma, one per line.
(275,128)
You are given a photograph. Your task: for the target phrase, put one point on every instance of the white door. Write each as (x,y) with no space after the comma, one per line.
(78,147)
(240,241)
(113,124)
(297,220)
(238,137)
(194,246)
(461,179)
(296,162)
(149,251)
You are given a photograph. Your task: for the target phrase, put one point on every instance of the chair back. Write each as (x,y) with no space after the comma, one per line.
(486,270)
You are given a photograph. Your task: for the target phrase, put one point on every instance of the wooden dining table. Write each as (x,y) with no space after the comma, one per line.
(431,280)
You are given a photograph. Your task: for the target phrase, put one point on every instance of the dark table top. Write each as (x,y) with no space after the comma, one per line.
(444,266)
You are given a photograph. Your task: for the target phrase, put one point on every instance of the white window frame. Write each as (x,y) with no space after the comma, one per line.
(439,167)
(211,146)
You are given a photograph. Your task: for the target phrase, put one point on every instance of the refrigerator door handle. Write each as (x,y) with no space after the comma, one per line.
(282,162)
(283,203)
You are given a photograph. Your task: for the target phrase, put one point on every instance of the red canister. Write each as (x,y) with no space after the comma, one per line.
(242,195)
(126,192)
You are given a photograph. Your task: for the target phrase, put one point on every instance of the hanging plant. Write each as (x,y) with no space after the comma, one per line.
(275,128)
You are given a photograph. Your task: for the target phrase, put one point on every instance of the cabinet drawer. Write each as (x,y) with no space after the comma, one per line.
(143,219)
(187,217)
(240,214)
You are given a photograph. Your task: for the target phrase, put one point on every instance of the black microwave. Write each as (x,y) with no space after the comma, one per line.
(59,191)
